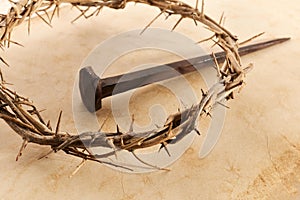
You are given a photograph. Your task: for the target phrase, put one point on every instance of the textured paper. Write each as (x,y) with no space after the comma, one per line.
(257,156)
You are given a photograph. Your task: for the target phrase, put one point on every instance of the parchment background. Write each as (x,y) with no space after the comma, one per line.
(257,156)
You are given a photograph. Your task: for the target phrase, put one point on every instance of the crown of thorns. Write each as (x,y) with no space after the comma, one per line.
(24,118)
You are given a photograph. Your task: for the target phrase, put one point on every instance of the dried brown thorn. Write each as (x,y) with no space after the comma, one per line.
(155,18)
(23,146)
(58,123)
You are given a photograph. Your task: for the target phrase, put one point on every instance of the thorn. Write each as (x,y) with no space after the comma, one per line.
(74,20)
(78,168)
(16,43)
(28,29)
(42,110)
(203,93)
(168,15)
(216,43)
(98,10)
(217,64)
(195,22)
(223,105)
(57,5)
(202,9)
(148,164)
(208,114)
(68,134)
(4,82)
(23,146)
(52,15)
(47,154)
(46,13)
(118,131)
(248,68)
(2,60)
(222,18)
(165,147)
(177,23)
(49,125)
(197,131)
(196,7)
(58,123)
(29,19)
(82,13)
(206,39)
(43,19)
(155,18)
(252,38)
(8,40)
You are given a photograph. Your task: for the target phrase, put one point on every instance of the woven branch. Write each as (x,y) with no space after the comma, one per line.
(24,118)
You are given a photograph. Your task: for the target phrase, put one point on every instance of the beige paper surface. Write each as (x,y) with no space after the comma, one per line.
(257,156)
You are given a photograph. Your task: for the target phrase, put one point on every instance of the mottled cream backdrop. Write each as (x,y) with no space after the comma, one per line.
(257,156)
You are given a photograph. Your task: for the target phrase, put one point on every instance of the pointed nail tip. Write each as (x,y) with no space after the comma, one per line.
(279,40)
(287,38)
(276,41)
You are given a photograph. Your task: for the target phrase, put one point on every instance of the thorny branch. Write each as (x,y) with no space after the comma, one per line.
(24,118)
